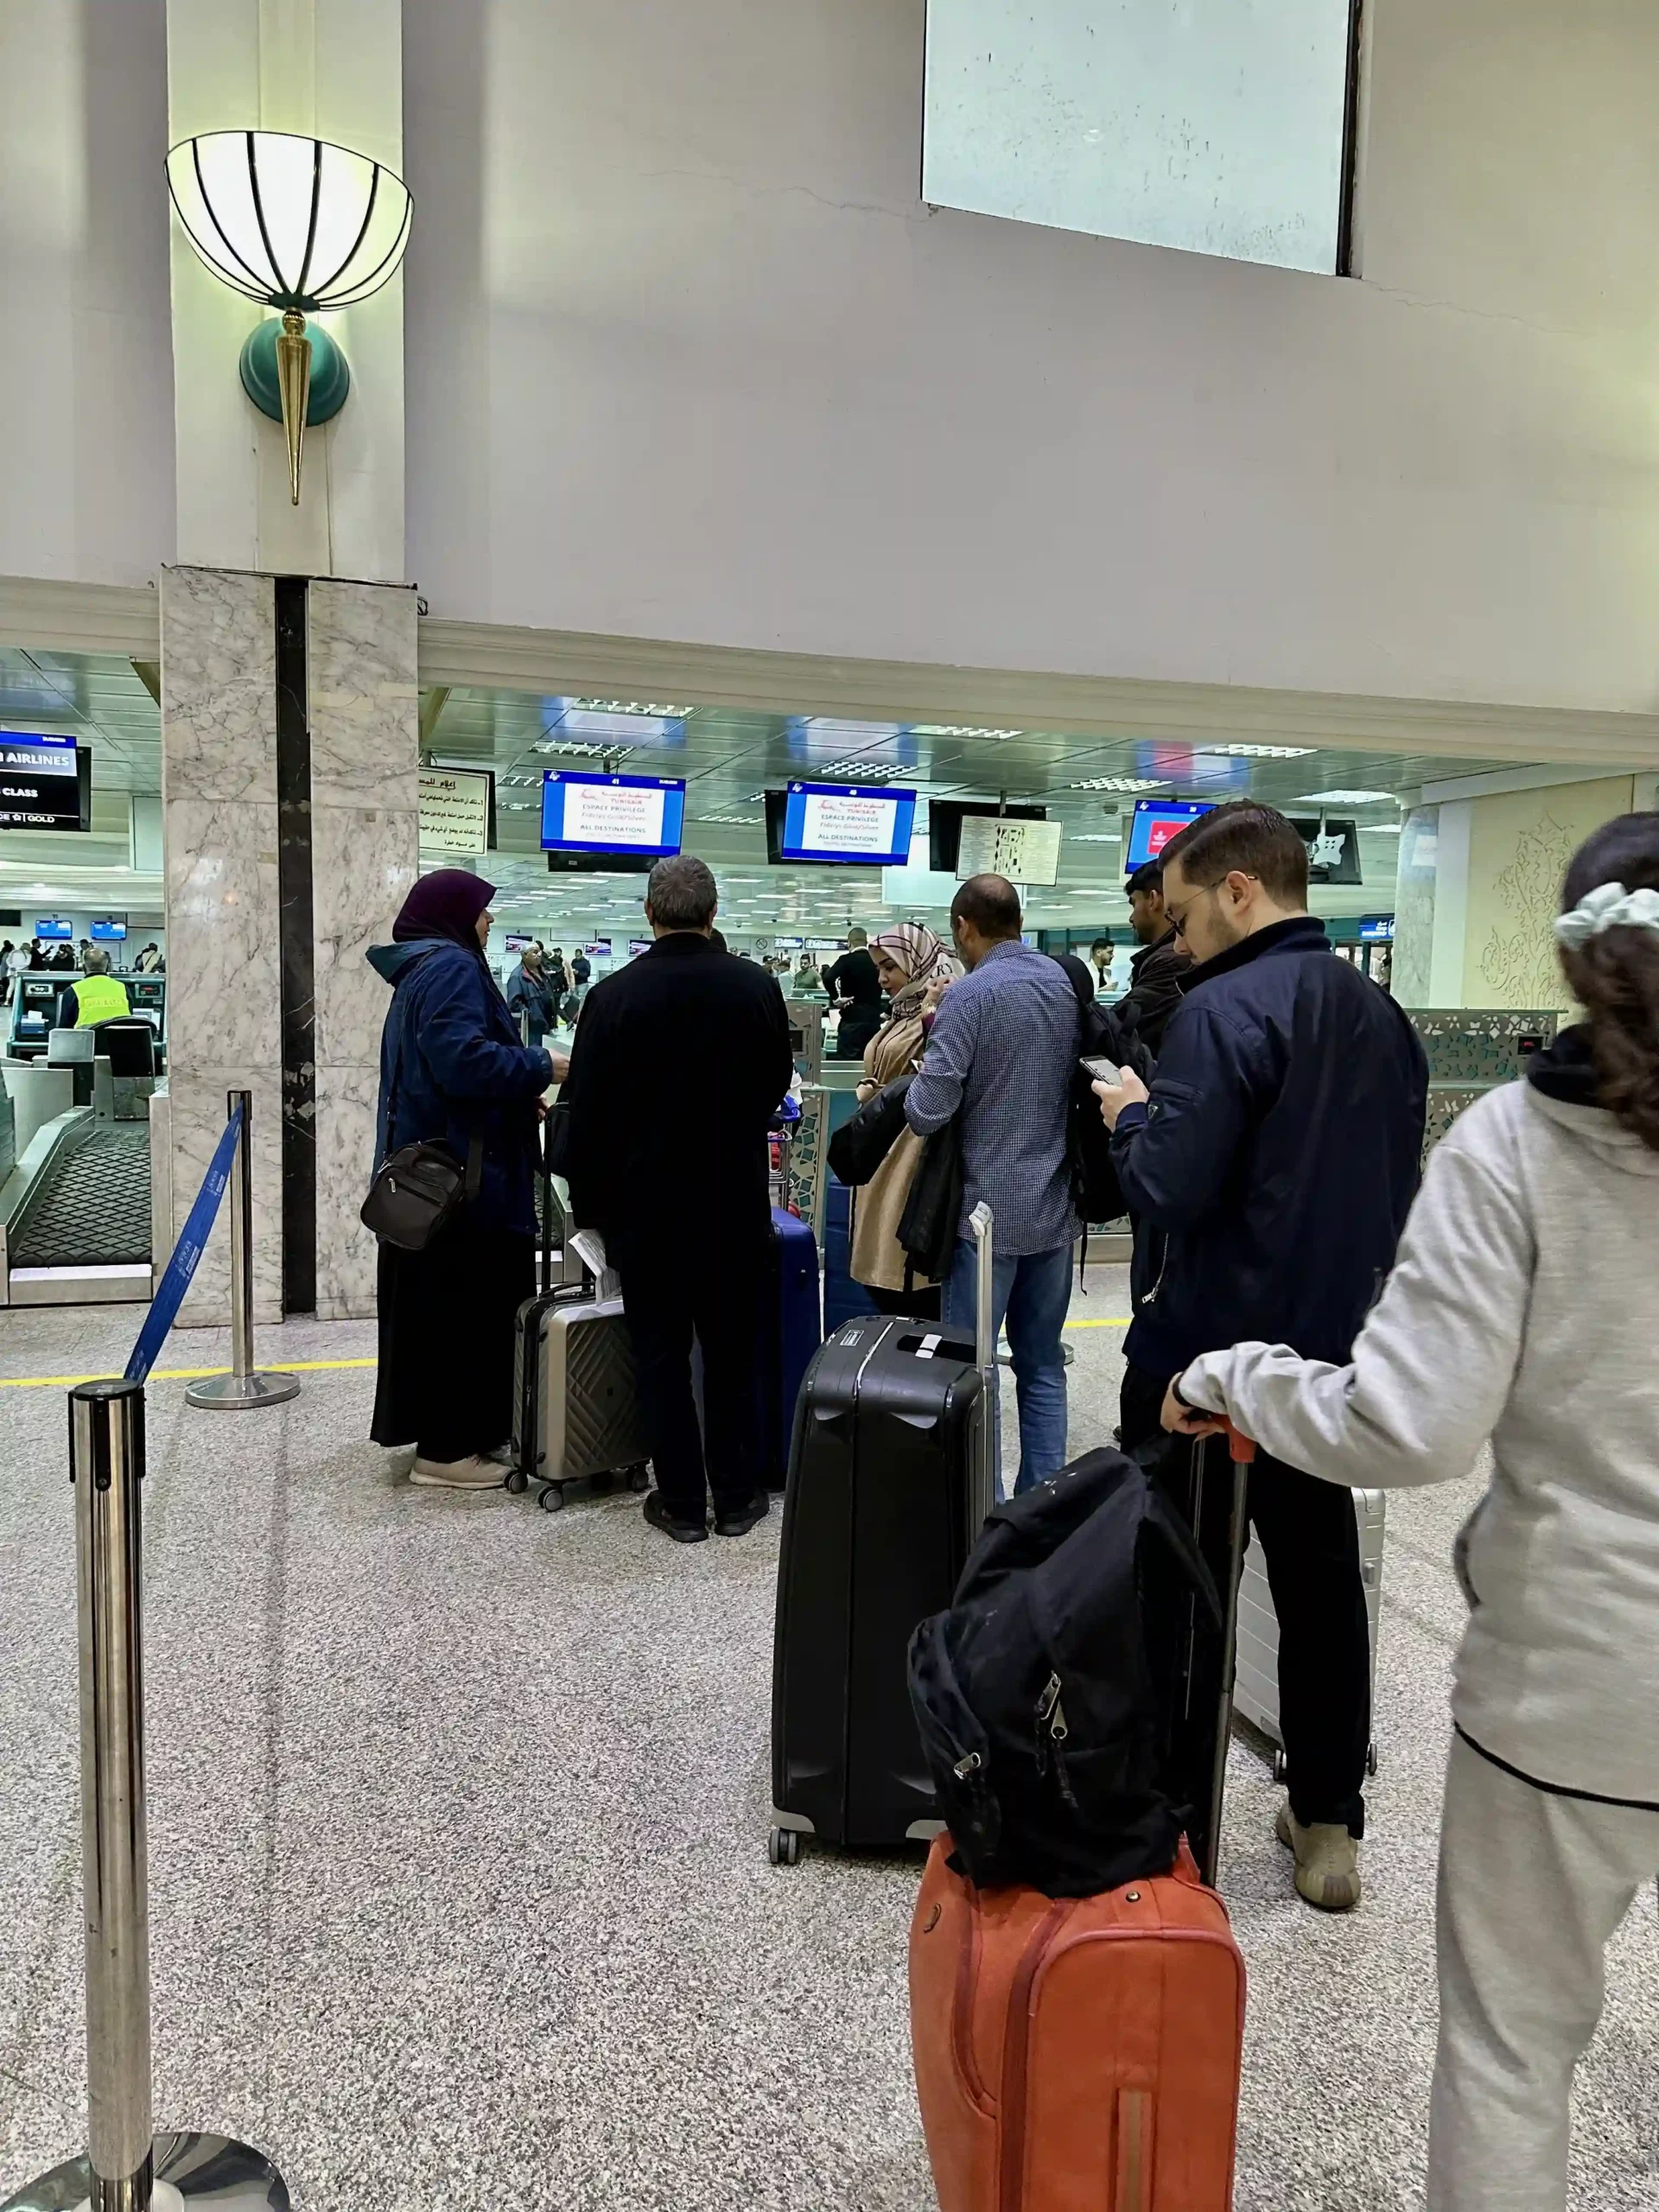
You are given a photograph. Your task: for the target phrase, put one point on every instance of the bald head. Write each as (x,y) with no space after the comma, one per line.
(984,913)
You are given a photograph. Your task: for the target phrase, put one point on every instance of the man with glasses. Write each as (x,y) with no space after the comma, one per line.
(1274,1164)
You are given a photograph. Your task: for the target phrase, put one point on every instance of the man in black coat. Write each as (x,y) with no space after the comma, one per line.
(680,1061)
(854,984)
(1156,971)
(1273,1165)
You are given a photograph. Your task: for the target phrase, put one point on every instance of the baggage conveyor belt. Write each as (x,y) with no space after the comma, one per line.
(92,1206)
(75,1214)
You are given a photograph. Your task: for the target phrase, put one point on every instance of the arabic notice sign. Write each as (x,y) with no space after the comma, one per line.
(454,810)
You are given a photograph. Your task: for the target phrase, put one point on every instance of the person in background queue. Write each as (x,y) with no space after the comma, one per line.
(1156,971)
(1524,1308)
(148,961)
(99,996)
(639,1139)
(999,1057)
(529,992)
(1102,953)
(581,969)
(909,959)
(854,986)
(1274,1164)
(453,1071)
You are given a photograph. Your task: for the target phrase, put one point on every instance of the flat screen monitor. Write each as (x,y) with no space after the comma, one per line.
(109,933)
(640,816)
(639,944)
(51,925)
(46,782)
(1155,824)
(835,824)
(945,817)
(517,944)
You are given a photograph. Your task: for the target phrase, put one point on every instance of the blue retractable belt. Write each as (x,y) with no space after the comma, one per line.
(186,1254)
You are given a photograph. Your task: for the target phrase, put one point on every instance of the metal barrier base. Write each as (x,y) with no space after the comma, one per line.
(189,2170)
(230,1393)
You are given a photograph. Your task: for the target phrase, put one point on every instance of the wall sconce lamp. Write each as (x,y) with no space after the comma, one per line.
(300,225)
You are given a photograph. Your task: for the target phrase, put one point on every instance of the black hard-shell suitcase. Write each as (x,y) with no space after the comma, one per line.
(889,1481)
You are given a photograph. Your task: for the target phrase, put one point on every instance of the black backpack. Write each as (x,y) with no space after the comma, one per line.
(1046,1695)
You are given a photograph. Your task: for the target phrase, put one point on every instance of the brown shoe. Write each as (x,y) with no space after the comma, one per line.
(1327,1861)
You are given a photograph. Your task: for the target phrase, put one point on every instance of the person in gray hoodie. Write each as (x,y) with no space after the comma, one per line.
(1524,1308)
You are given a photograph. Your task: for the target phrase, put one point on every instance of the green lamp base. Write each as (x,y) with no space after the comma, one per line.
(331,380)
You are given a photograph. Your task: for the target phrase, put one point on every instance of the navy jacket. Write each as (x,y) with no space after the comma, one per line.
(461,1072)
(1275,1162)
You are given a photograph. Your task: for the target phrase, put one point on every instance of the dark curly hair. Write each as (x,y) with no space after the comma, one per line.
(1615,977)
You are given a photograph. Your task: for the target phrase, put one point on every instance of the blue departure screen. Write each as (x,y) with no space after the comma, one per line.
(612,814)
(847,821)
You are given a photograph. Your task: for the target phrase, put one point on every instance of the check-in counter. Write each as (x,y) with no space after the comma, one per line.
(38,1094)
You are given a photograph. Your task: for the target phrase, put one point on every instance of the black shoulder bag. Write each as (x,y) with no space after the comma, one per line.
(420,1187)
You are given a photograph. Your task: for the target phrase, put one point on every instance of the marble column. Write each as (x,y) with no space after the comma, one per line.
(365,856)
(219,800)
(234,947)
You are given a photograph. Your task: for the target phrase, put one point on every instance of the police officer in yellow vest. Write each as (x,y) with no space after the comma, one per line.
(99,997)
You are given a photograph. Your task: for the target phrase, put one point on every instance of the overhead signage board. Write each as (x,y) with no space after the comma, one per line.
(1332,848)
(643,816)
(455,810)
(1157,823)
(45,783)
(1024,852)
(846,822)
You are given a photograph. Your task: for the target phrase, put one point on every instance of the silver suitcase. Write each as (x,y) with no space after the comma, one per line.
(1255,1690)
(575,1406)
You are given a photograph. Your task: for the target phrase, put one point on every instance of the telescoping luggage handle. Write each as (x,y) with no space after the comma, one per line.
(980,1221)
(1240,1452)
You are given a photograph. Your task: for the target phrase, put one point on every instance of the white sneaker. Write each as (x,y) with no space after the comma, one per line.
(474,1473)
(1327,1861)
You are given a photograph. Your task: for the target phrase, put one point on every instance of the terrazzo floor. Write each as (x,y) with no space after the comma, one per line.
(459,1893)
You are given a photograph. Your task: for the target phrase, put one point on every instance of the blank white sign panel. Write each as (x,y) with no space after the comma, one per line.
(1213,125)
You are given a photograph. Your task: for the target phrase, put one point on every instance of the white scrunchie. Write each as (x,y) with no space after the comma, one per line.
(1609,907)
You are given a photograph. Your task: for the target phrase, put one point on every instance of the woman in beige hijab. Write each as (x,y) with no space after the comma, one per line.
(909,959)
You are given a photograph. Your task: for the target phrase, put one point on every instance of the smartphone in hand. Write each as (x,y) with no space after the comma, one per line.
(1102,1071)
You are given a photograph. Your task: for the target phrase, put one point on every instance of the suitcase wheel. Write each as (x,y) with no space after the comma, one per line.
(1281,1771)
(1370,1760)
(517,1482)
(640,1478)
(782,1846)
(551,1498)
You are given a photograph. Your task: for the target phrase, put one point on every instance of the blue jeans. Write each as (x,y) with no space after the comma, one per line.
(1031,1294)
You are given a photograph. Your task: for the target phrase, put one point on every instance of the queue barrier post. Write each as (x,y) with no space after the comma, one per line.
(126,2167)
(245,1385)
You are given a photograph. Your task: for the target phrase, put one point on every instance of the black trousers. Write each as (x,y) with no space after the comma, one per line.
(447,1333)
(717,1299)
(923,1301)
(1311,1542)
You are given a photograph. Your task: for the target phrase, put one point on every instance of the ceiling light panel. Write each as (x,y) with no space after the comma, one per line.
(1260,752)
(1119,784)
(1345,798)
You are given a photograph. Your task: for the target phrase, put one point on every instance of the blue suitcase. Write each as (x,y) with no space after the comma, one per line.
(844,1299)
(794,1321)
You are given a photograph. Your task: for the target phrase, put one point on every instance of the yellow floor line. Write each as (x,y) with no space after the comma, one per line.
(178,1374)
(313,1366)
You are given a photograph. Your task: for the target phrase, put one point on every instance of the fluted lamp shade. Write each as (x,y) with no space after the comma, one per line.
(298,225)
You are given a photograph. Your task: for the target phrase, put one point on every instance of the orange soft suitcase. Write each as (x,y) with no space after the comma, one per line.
(1076,2054)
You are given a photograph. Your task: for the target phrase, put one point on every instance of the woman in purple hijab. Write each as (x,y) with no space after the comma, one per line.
(453,1071)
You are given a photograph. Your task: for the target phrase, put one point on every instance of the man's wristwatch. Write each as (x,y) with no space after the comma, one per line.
(1181,1396)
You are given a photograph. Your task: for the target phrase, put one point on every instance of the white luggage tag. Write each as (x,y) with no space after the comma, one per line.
(589,1247)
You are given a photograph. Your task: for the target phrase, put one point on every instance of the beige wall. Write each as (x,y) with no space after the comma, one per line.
(1520,843)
